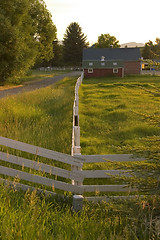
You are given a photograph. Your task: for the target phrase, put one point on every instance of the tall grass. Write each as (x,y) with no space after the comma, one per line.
(42,117)
(31,217)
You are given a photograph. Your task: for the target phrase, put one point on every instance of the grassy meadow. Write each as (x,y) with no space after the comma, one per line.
(107,108)
(36,75)
(42,117)
(121,115)
(117,113)
(32,75)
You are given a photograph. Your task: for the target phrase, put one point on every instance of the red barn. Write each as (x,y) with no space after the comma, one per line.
(101,62)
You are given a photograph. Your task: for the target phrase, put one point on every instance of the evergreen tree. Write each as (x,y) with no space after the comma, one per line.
(74,41)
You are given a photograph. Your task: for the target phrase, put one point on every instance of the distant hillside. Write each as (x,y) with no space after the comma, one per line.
(132,45)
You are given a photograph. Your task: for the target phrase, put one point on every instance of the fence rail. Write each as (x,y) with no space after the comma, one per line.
(76,174)
(38,151)
(41,167)
(109,157)
(104,173)
(40,180)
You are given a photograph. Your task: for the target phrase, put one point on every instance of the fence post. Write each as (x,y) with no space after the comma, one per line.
(77,203)
(76,148)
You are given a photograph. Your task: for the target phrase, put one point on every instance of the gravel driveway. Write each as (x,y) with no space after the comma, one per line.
(30,86)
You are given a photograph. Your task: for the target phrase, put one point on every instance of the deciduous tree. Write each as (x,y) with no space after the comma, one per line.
(151,50)
(27,33)
(107,41)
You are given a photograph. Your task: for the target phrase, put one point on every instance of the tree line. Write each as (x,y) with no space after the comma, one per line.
(29,39)
(70,51)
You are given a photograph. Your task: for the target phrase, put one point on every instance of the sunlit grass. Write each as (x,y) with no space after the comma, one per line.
(33,75)
(112,119)
(42,117)
(27,216)
(113,112)
(122,116)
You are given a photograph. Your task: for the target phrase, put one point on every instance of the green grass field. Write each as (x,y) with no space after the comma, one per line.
(44,118)
(115,113)
(122,116)
(33,75)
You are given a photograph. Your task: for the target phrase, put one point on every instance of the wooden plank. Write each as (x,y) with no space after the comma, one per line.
(24,187)
(68,187)
(109,157)
(41,167)
(40,180)
(104,173)
(111,198)
(40,151)
(106,188)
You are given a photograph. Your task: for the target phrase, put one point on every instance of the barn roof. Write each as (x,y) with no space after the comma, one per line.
(126,54)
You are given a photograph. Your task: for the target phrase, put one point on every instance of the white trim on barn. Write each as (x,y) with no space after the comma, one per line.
(115,70)
(90,70)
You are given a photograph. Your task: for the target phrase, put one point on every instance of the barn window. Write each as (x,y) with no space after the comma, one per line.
(90,70)
(115,70)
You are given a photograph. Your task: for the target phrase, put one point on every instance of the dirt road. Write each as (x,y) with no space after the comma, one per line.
(30,86)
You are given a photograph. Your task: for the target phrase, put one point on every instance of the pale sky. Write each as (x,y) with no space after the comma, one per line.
(129,21)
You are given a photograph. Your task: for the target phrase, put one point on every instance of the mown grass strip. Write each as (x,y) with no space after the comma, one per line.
(115,113)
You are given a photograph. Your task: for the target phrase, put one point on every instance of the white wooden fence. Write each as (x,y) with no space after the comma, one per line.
(41,167)
(76,149)
(76,161)
(75,175)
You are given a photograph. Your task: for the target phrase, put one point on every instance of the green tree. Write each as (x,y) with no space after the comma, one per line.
(74,41)
(45,30)
(27,33)
(151,50)
(57,60)
(157,48)
(107,41)
(152,64)
(147,52)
